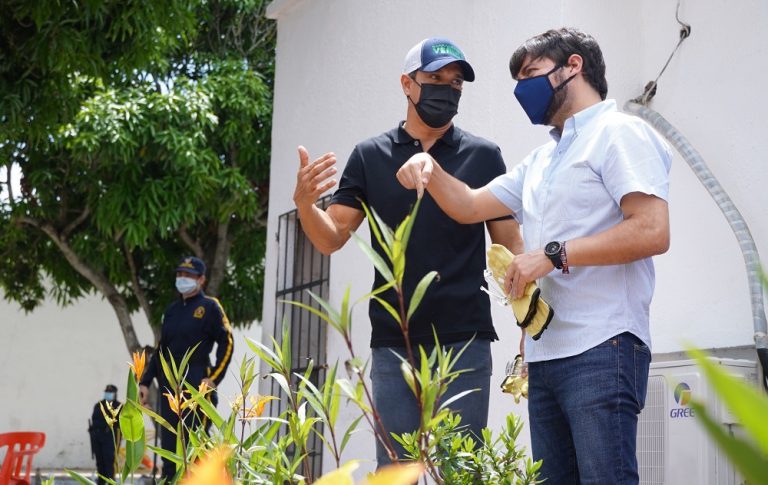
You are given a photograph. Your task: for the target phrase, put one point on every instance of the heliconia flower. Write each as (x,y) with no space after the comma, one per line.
(203,388)
(138,364)
(258,402)
(211,469)
(177,405)
(110,413)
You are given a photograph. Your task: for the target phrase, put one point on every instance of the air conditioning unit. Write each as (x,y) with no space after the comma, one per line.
(672,446)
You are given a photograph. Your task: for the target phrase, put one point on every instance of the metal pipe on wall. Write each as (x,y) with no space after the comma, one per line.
(738,225)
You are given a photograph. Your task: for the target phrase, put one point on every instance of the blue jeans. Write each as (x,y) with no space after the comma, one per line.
(397,405)
(583,412)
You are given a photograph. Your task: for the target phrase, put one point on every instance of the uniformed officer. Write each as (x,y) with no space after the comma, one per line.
(193,319)
(105,436)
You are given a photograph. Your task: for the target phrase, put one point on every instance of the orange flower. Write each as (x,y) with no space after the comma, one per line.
(138,364)
(177,404)
(211,469)
(257,408)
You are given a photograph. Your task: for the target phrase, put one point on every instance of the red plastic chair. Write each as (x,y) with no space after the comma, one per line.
(22,447)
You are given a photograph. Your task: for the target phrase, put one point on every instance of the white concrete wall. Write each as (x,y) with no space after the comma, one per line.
(54,365)
(338,67)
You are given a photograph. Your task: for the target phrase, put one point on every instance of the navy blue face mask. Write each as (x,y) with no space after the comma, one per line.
(535,95)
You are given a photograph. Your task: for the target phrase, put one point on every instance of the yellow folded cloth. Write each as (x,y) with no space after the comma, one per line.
(531,311)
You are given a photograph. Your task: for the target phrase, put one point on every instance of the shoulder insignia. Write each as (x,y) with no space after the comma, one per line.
(199,312)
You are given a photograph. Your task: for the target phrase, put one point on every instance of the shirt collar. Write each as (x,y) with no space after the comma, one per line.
(583,118)
(450,137)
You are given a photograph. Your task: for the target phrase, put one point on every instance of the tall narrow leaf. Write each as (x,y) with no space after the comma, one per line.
(418,293)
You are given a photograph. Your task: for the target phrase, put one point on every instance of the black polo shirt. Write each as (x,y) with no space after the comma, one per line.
(453,303)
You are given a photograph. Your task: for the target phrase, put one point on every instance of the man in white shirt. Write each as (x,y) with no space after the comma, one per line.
(599,189)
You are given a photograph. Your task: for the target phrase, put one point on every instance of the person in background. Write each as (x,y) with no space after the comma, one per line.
(194,319)
(105,436)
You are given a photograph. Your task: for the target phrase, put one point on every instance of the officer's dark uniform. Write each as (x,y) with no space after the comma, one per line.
(201,320)
(103,439)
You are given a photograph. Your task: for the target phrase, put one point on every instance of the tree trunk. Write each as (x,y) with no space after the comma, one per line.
(219,261)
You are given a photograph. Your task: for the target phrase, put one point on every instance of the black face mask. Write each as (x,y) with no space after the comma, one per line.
(438,104)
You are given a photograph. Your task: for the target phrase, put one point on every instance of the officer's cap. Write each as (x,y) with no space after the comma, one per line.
(192,265)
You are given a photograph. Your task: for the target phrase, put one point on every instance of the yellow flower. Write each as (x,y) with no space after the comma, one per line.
(258,405)
(177,404)
(211,469)
(138,364)
(237,404)
(396,475)
(341,476)
(110,414)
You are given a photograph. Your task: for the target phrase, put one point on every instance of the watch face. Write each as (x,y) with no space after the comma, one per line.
(552,248)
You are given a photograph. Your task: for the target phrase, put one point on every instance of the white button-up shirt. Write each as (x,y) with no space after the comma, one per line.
(572,187)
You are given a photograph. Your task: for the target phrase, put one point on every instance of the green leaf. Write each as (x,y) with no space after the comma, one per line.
(159,419)
(314,311)
(747,404)
(406,226)
(131,422)
(389,309)
(80,478)
(374,257)
(134,452)
(348,433)
(377,291)
(265,353)
(377,226)
(418,293)
(131,393)
(206,406)
(457,397)
(332,313)
(747,459)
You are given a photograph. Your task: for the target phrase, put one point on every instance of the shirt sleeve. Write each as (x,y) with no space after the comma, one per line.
(352,184)
(637,160)
(497,168)
(508,188)
(221,332)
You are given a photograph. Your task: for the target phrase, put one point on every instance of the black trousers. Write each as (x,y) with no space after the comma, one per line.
(104,449)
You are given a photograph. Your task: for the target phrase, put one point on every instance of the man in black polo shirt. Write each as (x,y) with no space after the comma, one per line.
(432,81)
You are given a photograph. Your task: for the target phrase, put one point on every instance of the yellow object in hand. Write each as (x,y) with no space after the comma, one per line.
(514,383)
(531,311)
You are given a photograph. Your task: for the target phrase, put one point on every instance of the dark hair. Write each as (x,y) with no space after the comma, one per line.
(558,45)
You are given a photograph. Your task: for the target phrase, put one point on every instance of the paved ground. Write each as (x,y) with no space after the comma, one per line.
(62,478)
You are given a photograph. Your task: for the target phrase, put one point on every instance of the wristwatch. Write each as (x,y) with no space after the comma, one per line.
(555,251)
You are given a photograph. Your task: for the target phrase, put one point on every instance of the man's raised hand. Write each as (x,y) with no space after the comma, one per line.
(313,178)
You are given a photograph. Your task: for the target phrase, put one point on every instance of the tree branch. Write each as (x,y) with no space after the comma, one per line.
(96,278)
(9,184)
(74,224)
(191,243)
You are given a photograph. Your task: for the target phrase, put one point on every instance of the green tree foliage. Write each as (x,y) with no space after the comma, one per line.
(142,133)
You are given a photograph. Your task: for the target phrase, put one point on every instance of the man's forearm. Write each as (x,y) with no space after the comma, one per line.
(321,229)
(641,235)
(453,196)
